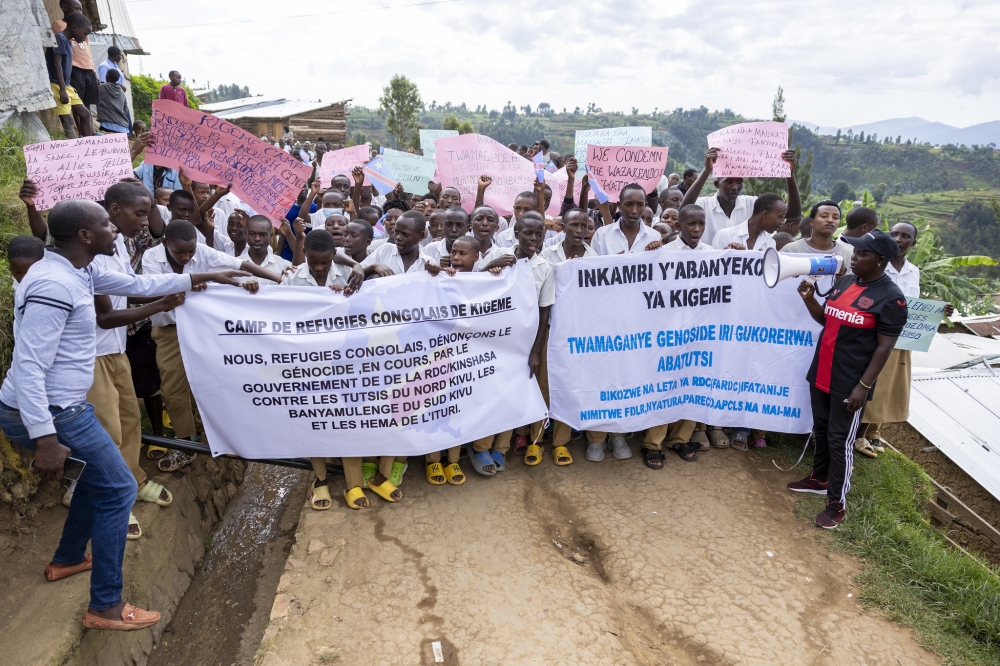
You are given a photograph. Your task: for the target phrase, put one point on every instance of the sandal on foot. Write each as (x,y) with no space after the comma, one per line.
(155,452)
(132,520)
(368,472)
(877,445)
(653,459)
(482,462)
(173,461)
(687,451)
(387,491)
(132,619)
(739,440)
(700,437)
(435,474)
(520,445)
(398,470)
(166,420)
(454,474)
(718,438)
(864,447)
(760,443)
(59,571)
(355,498)
(533,454)
(152,491)
(499,460)
(561,455)
(320,494)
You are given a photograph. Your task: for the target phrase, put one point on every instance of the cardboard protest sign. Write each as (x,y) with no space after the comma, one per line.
(428,137)
(212,150)
(558,180)
(614,167)
(922,321)
(77,168)
(751,150)
(343,161)
(413,171)
(610,136)
(462,159)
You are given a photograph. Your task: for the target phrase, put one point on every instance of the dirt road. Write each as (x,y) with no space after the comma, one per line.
(607,563)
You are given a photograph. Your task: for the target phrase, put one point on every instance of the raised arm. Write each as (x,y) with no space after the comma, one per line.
(27,194)
(567,201)
(540,196)
(584,191)
(691,196)
(359,182)
(314,188)
(214,199)
(299,243)
(139,145)
(483,183)
(794,200)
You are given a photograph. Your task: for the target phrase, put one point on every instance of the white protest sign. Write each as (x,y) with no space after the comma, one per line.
(81,168)
(429,136)
(413,171)
(646,339)
(408,365)
(922,321)
(751,150)
(610,136)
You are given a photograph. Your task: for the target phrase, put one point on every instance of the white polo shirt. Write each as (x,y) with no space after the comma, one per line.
(716,218)
(679,244)
(302,276)
(556,254)
(545,277)
(907,279)
(205,260)
(388,254)
(272,262)
(741,234)
(609,239)
(112,341)
(435,250)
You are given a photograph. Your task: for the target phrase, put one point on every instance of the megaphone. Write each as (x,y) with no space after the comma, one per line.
(778,266)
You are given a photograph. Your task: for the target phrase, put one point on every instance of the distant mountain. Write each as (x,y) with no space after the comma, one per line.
(923,131)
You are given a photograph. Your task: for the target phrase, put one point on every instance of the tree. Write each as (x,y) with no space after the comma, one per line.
(841,190)
(879,192)
(975,226)
(450,122)
(544,109)
(938,279)
(778,106)
(224,93)
(400,104)
(803,167)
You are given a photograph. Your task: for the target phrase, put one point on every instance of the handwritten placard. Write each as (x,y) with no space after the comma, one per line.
(558,181)
(429,136)
(212,150)
(922,321)
(751,150)
(614,167)
(77,168)
(342,162)
(462,159)
(610,136)
(413,171)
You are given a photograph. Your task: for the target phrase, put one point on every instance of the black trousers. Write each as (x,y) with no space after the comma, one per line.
(834,432)
(86,84)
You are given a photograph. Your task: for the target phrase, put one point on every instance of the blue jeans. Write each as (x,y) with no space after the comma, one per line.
(102,500)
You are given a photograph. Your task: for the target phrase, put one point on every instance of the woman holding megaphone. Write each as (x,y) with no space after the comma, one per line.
(863,315)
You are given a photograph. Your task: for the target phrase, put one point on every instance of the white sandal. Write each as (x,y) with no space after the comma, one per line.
(151,493)
(132,520)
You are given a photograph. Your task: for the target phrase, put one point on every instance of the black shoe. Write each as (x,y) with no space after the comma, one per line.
(810,484)
(831,516)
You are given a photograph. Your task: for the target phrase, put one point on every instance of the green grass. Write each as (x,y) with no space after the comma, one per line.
(910,572)
(934,207)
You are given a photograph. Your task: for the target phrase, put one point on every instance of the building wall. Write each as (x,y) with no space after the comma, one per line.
(328,123)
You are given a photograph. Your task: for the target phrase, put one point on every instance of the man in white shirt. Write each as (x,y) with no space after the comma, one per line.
(727,207)
(629,234)
(756,233)
(404,255)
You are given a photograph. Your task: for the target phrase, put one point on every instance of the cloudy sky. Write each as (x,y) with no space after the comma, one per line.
(841,62)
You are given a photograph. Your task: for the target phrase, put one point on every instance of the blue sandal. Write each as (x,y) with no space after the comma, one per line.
(480,460)
(499,460)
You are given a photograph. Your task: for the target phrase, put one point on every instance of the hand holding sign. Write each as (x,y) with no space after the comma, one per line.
(75,169)
(749,150)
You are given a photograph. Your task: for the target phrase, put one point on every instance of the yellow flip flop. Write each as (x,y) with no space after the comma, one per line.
(155,452)
(435,469)
(318,495)
(454,474)
(533,454)
(386,490)
(353,495)
(166,420)
(561,455)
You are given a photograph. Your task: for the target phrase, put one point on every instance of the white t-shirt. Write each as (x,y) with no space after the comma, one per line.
(679,244)
(545,278)
(716,218)
(436,250)
(388,254)
(302,276)
(205,260)
(112,341)
(609,239)
(741,234)
(273,263)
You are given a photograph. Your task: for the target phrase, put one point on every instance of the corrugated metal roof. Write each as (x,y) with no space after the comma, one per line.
(242,102)
(281,110)
(959,412)
(953,351)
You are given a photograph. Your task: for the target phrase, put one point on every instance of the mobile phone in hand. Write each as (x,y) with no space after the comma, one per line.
(72,468)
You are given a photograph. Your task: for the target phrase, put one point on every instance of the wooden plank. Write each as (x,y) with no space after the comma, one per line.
(939,515)
(955,506)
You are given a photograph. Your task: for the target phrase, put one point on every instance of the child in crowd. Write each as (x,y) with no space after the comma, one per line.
(435,223)
(781,239)
(485,222)
(358,237)
(257,237)
(647,216)
(59,60)
(402,256)
(22,253)
(456,225)
(162,196)
(236,230)
(824,220)
(523,203)
(182,206)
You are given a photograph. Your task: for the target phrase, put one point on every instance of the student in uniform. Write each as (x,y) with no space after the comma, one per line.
(236,229)
(485,223)
(523,203)
(756,233)
(435,224)
(863,316)
(404,255)
(456,225)
(259,231)
(357,239)
(182,206)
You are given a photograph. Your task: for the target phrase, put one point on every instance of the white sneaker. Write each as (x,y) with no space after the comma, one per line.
(68,497)
(620,448)
(595,451)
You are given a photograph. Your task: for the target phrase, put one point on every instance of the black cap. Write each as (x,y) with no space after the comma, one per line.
(876,241)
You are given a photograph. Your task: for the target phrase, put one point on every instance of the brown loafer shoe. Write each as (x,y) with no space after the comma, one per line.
(132,619)
(58,571)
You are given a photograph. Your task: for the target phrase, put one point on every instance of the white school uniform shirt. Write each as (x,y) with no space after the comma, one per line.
(907,279)
(376,244)
(205,260)
(231,202)
(609,239)
(554,239)
(545,278)
(302,276)
(486,257)
(741,234)
(715,217)
(505,238)
(222,241)
(112,341)
(435,250)
(388,254)
(274,263)
(556,254)
(679,244)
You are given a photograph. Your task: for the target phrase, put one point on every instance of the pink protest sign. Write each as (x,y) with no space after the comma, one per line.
(558,180)
(212,150)
(77,168)
(614,167)
(751,150)
(343,161)
(462,159)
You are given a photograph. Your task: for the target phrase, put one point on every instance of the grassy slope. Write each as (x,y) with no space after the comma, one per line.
(935,207)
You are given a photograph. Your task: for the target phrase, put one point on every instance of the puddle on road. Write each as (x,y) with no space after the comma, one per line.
(208,624)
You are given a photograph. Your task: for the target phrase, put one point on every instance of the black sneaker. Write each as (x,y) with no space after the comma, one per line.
(810,484)
(831,516)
